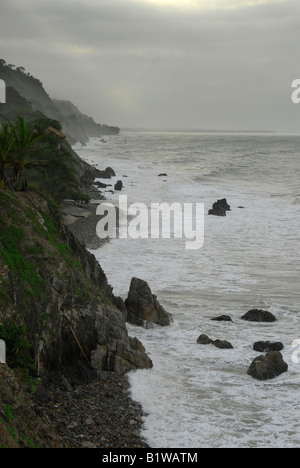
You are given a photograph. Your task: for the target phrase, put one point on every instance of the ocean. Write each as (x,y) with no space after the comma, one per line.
(199,396)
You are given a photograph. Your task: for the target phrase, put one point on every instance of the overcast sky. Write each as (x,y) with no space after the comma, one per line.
(208,64)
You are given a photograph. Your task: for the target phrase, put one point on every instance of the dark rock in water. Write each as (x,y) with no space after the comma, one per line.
(257,315)
(163,174)
(222,344)
(267,366)
(217,212)
(222,318)
(101,185)
(219,208)
(119,185)
(143,307)
(204,339)
(106,174)
(267,346)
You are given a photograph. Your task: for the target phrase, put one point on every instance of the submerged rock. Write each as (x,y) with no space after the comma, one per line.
(267,366)
(257,315)
(101,184)
(222,318)
(143,307)
(219,208)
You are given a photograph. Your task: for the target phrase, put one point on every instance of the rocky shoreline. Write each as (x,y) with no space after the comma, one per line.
(98,414)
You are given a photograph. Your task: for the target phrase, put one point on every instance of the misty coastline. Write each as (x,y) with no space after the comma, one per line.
(136,341)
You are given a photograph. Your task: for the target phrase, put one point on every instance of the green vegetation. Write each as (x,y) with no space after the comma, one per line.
(18,148)
(11,255)
(17,347)
(29,157)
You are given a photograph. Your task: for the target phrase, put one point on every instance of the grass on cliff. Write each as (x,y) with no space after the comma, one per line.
(10,254)
(33,253)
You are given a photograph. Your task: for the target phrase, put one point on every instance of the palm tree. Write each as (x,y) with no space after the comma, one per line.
(18,145)
(21,149)
(26,139)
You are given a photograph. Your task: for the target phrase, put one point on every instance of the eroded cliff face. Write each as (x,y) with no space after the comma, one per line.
(54,287)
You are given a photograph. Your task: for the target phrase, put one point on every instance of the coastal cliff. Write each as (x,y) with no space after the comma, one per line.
(26,96)
(57,306)
(54,287)
(67,344)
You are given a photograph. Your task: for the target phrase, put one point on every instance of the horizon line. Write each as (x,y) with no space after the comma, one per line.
(192,130)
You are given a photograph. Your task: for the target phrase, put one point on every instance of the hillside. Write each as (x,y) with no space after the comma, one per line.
(27,96)
(65,330)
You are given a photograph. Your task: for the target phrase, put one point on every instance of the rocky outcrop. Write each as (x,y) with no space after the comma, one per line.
(267,366)
(106,173)
(258,315)
(219,208)
(143,307)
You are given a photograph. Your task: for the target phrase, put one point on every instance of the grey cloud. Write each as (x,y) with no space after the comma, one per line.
(160,67)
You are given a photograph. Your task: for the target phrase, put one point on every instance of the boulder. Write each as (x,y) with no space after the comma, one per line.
(106,174)
(267,366)
(222,344)
(118,185)
(219,208)
(266,346)
(222,318)
(143,307)
(257,315)
(204,339)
